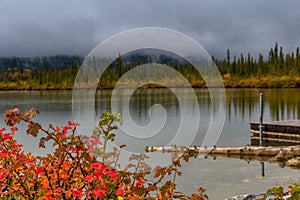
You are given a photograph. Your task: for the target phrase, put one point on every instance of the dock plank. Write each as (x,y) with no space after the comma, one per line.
(283,127)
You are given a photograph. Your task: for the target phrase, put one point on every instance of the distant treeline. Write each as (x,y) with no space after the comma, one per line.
(53,72)
(39,62)
(278,70)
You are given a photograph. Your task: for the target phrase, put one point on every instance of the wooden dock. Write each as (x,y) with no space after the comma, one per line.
(280,143)
(277,133)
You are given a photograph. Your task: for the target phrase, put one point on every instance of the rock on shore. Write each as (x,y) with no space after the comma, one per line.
(254,197)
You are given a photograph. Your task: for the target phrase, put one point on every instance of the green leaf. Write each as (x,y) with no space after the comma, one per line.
(108,117)
(33,129)
(111,137)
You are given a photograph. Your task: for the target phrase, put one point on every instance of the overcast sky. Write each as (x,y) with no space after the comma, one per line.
(35,27)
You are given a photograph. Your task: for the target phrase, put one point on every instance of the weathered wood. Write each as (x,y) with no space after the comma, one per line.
(296,142)
(273,142)
(277,135)
(289,126)
(247,150)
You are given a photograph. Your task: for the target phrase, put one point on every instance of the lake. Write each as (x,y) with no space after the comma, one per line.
(221,177)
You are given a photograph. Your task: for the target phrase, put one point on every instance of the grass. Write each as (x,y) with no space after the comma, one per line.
(229,82)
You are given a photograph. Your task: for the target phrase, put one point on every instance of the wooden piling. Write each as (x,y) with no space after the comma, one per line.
(276,133)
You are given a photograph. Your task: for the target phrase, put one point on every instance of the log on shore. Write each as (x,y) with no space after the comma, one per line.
(246,150)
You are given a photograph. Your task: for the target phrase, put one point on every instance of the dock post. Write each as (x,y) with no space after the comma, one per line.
(261,118)
(262,169)
(261,130)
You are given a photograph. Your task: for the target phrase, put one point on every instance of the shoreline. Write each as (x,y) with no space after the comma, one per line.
(226,85)
(266,82)
(108,88)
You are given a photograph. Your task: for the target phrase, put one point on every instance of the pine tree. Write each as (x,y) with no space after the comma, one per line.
(272,62)
(260,65)
(228,58)
(297,59)
(282,69)
(234,65)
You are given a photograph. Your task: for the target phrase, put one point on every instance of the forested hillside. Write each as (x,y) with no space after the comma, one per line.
(279,69)
(53,72)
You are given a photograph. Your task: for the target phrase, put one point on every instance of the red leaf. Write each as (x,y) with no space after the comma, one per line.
(4,153)
(7,136)
(62,148)
(70,123)
(140,182)
(39,171)
(113,174)
(120,192)
(96,165)
(62,135)
(67,127)
(89,178)
(14,129)
(57,129)
(64,132)
(1,130)
(98,176)
(78,193)
(12,117)
(99,193)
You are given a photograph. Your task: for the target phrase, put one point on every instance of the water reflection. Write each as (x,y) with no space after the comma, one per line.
(241,107)
(280,104)
(284,103)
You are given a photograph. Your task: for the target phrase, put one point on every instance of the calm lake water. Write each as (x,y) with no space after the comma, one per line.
(221,177)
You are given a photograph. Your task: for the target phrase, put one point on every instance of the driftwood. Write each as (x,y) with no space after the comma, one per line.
(246,150)
(282,155)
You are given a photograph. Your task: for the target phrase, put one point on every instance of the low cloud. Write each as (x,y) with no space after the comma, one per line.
(33,28)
